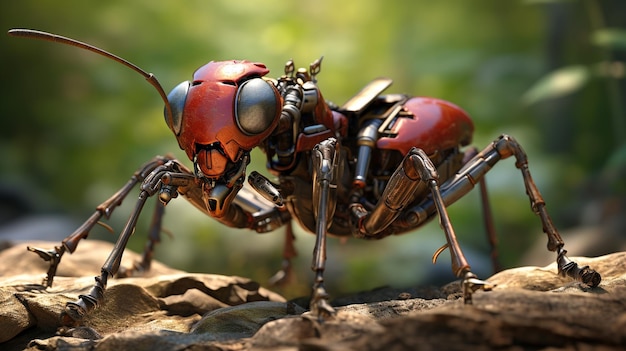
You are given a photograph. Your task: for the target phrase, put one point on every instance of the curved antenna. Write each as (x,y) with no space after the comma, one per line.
(35,34)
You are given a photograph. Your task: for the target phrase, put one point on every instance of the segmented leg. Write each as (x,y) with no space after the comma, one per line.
(492,238)
(417,170)
(154,237)
(164,180)
(70,243)
(289,252)
(490,230)
(474,171)
(325,169)
(507,146)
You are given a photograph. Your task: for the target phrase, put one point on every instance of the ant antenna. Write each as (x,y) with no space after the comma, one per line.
(35,34)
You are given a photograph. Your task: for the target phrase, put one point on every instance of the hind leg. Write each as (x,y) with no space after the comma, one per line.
(474,171)
(416,170)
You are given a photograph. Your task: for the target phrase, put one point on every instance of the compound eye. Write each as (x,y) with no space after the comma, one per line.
(255,106)
(177,98)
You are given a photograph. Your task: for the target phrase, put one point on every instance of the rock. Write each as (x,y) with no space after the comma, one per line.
(242,321)
(532,308)
(85,261)
(15,317)
(171,301)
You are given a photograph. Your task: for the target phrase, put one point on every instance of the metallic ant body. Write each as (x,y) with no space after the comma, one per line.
(376,166)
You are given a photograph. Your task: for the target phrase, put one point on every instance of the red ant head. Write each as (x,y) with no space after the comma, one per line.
(219,116)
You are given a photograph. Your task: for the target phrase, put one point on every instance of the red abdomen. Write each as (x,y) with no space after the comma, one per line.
(434,125)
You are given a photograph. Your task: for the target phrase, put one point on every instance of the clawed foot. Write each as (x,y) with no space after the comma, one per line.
(590,277)
(75,312)
(569,268)
(320,308)
(279,278)
(72,315)
(471,284)
(282,276)
(54,257)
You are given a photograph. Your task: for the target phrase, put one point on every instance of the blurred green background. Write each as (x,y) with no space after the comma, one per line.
(75,126)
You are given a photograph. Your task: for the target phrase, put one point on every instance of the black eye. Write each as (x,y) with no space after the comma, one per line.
(177,98)
(255,106)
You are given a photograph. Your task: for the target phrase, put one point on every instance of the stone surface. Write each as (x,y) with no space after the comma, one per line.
(532,308)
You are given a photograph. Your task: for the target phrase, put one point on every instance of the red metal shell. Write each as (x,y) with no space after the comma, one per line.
(322,112)
(435,125)
(208,116)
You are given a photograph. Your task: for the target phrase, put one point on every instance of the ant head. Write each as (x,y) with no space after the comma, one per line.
(224,112)
(218,117)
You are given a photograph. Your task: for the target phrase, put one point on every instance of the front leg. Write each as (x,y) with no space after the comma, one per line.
(325,171)
(163,180)
(105,209)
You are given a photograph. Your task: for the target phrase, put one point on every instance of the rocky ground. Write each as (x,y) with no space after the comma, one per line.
(531,309)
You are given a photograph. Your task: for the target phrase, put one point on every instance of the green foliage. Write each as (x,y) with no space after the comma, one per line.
(558,83)
(611,38)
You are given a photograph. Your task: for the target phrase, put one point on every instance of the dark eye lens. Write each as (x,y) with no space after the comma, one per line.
(255,106)
(177,98)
